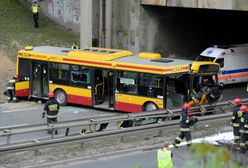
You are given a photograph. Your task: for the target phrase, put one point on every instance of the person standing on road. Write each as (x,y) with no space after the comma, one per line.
(35,10)
(164,157)
(11,89)
(244,129)
(185,122)
(235,120)
(51,108)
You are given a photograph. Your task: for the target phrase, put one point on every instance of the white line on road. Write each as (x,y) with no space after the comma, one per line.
(26,109)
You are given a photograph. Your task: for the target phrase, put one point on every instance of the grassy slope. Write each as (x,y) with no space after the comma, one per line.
(17,29)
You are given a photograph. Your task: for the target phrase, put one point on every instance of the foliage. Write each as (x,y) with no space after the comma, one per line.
(209,156)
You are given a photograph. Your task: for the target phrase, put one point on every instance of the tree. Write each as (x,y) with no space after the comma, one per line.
(210,156)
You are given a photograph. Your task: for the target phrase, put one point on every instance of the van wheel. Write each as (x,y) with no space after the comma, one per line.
(150,107)
(61,97)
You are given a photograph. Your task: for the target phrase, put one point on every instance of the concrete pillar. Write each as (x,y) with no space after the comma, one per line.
(105,29)
(108,12)
(102,23)
(85,23)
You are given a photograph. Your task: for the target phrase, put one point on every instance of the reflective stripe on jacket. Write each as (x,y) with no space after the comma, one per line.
(52,108)
(184,121)
(164,159)
(11,84)
(237,114)
(244,123)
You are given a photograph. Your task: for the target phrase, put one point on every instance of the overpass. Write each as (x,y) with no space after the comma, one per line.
(179,28)
(207,4)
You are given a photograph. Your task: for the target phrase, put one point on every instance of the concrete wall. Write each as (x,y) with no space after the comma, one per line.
(64,12)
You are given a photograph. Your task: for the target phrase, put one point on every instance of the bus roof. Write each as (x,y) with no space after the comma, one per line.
(107,58)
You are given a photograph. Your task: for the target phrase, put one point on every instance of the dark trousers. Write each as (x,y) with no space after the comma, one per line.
(11,94)
(180,137)
(36,18)
(50,121)
(244,140)
(236,134)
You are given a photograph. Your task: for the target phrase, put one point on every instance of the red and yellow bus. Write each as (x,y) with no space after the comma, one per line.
(107,78)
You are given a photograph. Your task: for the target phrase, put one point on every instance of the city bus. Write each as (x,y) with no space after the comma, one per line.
(110,79)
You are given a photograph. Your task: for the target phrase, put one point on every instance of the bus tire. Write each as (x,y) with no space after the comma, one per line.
(150,107)
(61,97)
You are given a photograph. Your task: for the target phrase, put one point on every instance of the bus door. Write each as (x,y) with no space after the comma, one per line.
(39,79)
(103,89)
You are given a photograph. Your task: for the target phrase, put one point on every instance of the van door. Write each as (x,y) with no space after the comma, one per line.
(232,69)
(245,68)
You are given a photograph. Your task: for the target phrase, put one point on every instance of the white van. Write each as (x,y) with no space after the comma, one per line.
(233,60)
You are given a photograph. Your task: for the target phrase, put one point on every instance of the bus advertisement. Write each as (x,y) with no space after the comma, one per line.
(111,79)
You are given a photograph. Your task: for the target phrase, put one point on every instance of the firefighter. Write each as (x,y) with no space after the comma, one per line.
(164,157)
(52,108)
(185,122)
(235,120)
(11,89)
(244,128)
(35,10)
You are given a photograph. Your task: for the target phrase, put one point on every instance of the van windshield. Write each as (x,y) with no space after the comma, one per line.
(204,58)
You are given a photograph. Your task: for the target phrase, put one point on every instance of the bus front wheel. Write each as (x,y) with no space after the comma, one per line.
(61,97)
(150,107)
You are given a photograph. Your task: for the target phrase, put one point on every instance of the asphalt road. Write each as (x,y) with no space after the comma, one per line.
(29,113)
(139,159)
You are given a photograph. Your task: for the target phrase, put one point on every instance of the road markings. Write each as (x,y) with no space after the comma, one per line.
(26,109)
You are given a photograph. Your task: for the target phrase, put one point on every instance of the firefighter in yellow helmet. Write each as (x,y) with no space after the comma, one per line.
(35,10)
(164,157)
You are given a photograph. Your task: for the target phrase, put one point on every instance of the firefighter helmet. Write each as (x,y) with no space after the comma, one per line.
(237,101)
(186,106)
(243,108)
(50,94)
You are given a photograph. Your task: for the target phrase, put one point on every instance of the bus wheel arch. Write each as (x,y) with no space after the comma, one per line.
(150,106)
(61,96)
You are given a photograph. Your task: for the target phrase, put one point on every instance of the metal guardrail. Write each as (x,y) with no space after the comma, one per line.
(220,107)
(41,143)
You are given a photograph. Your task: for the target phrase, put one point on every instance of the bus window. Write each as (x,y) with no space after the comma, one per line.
(150,85)
(80,76)
(59,73)
(127,82)
(24,69)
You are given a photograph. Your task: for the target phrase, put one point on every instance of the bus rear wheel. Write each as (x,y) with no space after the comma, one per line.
(61,97)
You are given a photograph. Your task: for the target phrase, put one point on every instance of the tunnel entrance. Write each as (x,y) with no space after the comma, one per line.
(186,32)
